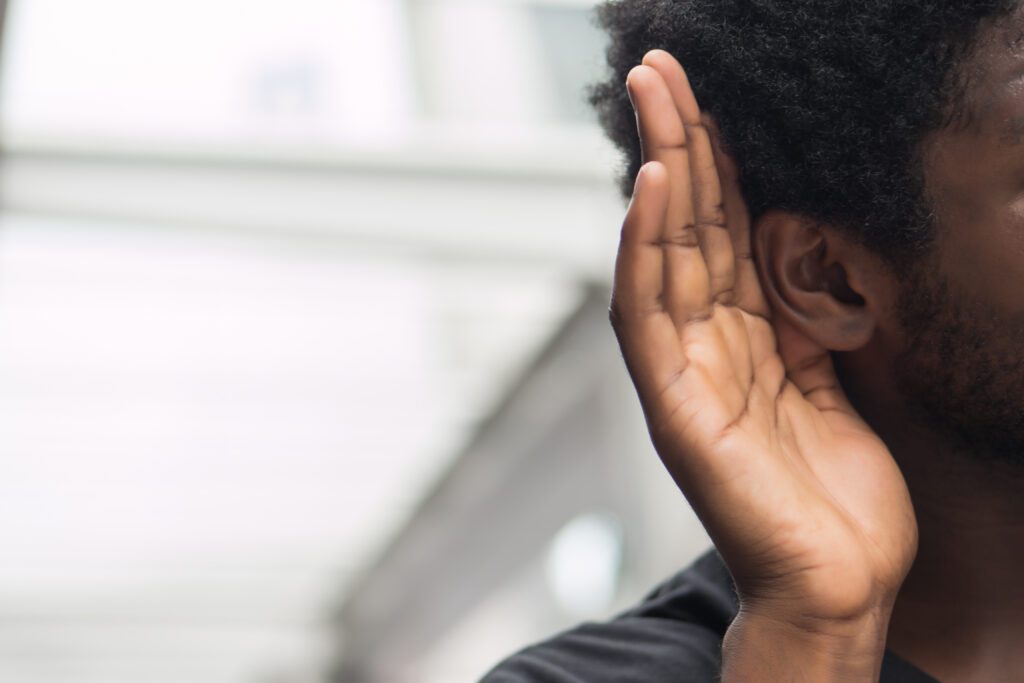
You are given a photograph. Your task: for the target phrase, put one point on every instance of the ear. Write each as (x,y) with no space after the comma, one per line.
(817,280)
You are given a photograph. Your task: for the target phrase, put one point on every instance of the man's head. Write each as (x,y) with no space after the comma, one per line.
(822,102)
(881,152)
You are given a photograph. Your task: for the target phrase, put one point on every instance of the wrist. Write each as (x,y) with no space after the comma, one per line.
(768,645)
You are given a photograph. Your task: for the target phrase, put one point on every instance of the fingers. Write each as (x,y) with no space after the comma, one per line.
(747,292)
(678,84)
(663,139)
(644,328)
(708,211)
(637,290)
(662,135)
(809,367)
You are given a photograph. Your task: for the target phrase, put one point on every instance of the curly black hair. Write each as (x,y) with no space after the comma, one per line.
(823,103)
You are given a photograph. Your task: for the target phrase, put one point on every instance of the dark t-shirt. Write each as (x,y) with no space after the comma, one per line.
(673,636)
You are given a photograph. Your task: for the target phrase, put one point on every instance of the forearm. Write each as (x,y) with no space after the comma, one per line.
(762,649)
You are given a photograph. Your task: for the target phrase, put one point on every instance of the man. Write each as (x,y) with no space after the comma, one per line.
(819,295)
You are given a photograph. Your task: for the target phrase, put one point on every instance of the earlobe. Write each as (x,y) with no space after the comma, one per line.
(812,278)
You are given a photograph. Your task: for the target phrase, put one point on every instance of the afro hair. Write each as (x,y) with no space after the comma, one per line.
(823,103)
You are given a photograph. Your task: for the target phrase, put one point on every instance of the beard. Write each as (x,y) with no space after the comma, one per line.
(962,374)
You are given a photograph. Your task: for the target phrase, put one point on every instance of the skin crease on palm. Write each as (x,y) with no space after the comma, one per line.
(730,331)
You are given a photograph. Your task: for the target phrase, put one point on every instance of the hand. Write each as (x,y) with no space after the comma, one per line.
(802,499)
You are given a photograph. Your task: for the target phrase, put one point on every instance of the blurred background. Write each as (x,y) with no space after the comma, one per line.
(305,371)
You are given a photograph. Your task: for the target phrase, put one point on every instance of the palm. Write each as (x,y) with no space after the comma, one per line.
(796,490)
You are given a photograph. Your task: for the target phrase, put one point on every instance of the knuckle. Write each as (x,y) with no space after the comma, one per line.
(715,216)
(684,236)
(725,298)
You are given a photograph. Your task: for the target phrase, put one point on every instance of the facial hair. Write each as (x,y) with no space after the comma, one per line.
(962,374)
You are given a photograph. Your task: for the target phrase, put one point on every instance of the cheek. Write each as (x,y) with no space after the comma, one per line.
(982,252)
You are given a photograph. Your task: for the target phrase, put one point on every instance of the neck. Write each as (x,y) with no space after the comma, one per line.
(960,612)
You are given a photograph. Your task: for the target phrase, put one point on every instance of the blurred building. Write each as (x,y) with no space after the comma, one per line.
(556,511)
(304,363)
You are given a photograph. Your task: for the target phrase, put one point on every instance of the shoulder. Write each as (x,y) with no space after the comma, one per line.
(674,634)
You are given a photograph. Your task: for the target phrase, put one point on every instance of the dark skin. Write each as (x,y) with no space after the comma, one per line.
(960,612)
(851,517)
